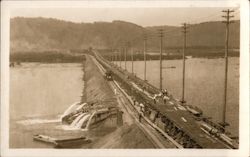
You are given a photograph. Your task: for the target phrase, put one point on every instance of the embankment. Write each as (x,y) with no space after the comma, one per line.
(98,92)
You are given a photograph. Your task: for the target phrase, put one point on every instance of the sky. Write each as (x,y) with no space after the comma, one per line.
(140,16)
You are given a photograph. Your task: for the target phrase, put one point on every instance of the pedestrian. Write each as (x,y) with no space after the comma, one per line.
(115,91)
(134,101)
(155,98)
(165,99)
(166,92)
(140,116)
(141,106)
(159,95)
(162,92)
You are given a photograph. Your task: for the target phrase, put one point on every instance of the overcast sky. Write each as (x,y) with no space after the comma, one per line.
(140,16)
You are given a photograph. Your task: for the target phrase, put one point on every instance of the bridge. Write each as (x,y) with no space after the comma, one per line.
(182,125)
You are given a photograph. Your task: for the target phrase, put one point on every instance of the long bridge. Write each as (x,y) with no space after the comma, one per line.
(180,124)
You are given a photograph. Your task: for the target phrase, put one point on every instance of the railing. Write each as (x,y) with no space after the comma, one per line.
(165,121)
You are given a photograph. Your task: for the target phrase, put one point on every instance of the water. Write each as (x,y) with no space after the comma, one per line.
(204,84)
(74,123)
(44,89)
(82,123)
(39,95)
(70,109)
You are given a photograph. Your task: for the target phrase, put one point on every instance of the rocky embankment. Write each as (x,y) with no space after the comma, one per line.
(97,90)
(107,134)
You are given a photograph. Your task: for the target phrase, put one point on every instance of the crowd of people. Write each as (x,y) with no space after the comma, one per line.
(163,95)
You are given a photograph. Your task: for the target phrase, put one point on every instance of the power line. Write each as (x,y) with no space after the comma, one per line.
(198,20)
(177,29)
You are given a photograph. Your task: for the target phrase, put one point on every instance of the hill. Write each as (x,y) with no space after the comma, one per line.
(47,34)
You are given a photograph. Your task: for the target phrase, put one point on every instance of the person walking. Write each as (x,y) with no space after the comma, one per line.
(165,92)
(140,116)
(154,98)
(141,107)
(165,99)
(134,101)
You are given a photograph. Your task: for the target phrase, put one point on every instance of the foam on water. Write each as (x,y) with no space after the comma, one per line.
(66,127)
(82,121)
(89,121)
(80,106)
(37,121)
(70,109)
(77,119)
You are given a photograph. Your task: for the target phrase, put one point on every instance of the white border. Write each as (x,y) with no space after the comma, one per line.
(243,150)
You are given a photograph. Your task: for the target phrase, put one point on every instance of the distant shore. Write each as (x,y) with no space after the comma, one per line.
(77,56)
(169,53)
(46,57)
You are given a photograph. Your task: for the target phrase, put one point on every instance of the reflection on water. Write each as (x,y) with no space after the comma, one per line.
(204,84)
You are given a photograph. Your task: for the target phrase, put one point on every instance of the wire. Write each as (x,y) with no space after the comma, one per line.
(237,11)
(212,17)
(198,20)
(172,33)
(178,28)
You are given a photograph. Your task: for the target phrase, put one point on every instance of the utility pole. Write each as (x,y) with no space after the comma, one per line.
(160,31)
(125,56)
(227,17)
(115,57)
(184,59)
(117,52)
(111,58)
(145,55)
(120,57)
(132,59)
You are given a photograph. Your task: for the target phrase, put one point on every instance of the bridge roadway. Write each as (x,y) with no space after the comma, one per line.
(173,110)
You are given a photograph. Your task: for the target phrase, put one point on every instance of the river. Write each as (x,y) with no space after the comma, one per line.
(40,93)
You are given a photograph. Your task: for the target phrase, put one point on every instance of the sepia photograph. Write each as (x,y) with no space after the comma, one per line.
(116,78)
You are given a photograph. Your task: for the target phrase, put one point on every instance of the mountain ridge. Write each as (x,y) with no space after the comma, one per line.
(43,34)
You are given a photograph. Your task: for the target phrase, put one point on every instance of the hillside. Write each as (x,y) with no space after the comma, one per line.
(207,34)
(47,34)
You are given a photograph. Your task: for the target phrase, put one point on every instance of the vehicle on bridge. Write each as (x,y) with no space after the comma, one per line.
(108,75)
